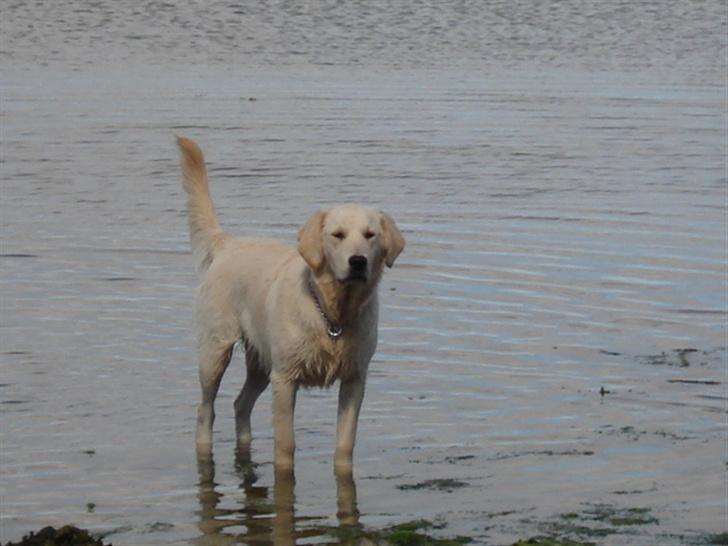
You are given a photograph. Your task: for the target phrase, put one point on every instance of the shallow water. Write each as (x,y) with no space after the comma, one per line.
(560,177)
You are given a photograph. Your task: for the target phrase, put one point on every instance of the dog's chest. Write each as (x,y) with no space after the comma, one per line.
(322,363)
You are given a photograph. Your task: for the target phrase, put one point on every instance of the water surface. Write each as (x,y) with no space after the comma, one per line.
(558,171)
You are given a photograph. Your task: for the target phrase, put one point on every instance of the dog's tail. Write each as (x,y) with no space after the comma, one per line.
(206,235)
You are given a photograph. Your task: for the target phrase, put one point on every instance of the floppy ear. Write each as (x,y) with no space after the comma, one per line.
(393,240)
(310,244)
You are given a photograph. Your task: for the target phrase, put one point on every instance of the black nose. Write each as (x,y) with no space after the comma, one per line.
(358,263)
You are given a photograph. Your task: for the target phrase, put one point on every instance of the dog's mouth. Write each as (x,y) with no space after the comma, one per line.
(356,276)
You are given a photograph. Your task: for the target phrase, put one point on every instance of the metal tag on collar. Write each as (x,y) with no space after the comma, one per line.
(334,331)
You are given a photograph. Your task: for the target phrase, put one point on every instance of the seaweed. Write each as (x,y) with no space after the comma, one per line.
(721,539)
(68,535)
(597,521)
(442,484)
(546,541)
(404,534)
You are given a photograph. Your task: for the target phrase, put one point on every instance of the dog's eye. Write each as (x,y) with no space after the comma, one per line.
(339,234)
(368,234)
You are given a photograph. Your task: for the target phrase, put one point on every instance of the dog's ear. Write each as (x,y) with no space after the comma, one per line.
(393,240)
(310,240)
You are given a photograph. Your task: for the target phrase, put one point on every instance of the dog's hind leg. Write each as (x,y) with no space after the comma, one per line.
(214,360)
(256,382)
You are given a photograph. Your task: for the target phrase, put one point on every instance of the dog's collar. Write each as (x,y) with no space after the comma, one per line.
(334,330)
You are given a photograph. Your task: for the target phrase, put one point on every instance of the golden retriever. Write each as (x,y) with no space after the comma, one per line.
(306,316)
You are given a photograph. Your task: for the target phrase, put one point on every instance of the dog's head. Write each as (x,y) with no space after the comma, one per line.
(353,242)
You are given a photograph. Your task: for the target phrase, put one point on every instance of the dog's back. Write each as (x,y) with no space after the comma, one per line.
(235,288)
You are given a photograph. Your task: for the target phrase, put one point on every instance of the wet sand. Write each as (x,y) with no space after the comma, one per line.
(552,341)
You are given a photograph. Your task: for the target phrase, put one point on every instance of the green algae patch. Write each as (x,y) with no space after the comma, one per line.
(676,358)
(595,523)
(620,517)
(685,358)
(634,516)
(720,539)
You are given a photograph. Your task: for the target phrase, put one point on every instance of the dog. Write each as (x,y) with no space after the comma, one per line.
(305,316)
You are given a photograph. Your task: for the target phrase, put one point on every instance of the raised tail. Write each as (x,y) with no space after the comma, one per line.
(206,235)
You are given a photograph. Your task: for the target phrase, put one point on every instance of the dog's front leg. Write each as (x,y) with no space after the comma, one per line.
(351,395)
(284,403)
(347,512)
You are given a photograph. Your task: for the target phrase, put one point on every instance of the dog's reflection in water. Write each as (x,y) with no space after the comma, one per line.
(260,518)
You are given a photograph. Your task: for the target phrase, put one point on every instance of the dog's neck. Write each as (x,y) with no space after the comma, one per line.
(341,303)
